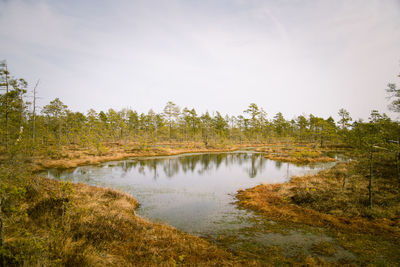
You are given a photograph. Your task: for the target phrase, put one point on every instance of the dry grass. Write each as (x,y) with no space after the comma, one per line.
(300,160)
(72,156)
(321,201)
(295,153)
(78,225)
(324,248)
(61,224)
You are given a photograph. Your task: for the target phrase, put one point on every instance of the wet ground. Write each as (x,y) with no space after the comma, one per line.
(196,193)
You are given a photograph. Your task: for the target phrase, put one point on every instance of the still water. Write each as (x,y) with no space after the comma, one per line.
(192,192)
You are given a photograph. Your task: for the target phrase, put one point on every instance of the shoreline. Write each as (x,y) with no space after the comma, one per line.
(206,247)
(322,201)
(43,164)
(73,160)
(298,160)
(74,224)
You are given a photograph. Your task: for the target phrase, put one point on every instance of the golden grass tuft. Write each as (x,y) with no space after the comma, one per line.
(91,226)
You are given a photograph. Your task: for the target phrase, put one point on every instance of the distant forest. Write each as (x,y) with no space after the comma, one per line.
(25,129)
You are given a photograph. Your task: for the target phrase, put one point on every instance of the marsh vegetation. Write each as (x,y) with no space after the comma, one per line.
(89,215)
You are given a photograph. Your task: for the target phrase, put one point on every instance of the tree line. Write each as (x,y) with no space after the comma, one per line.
(56,125)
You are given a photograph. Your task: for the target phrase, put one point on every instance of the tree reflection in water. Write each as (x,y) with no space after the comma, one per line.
(191,191)
(200,163)
(197,163)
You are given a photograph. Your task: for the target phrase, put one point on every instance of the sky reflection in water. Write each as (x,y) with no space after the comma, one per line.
(191,192)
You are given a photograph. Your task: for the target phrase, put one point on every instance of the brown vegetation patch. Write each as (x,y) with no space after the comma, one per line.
(325,201)
(296,153)
(72,157)
(53,206)
(80,225)
(324,248)
(297,201)
(305,160)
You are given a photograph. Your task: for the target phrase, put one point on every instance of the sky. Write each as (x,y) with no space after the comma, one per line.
(290,56)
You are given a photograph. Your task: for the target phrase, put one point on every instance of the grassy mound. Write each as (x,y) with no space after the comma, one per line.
(325,201)
(295,153)
(48,223)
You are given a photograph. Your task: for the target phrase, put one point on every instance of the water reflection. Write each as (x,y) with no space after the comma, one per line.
(171,166)
(190,192)
(278,164)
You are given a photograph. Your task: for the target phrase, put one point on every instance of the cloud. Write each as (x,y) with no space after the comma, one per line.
(289,56)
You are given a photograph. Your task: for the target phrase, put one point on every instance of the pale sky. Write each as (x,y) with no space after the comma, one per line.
(296,57)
